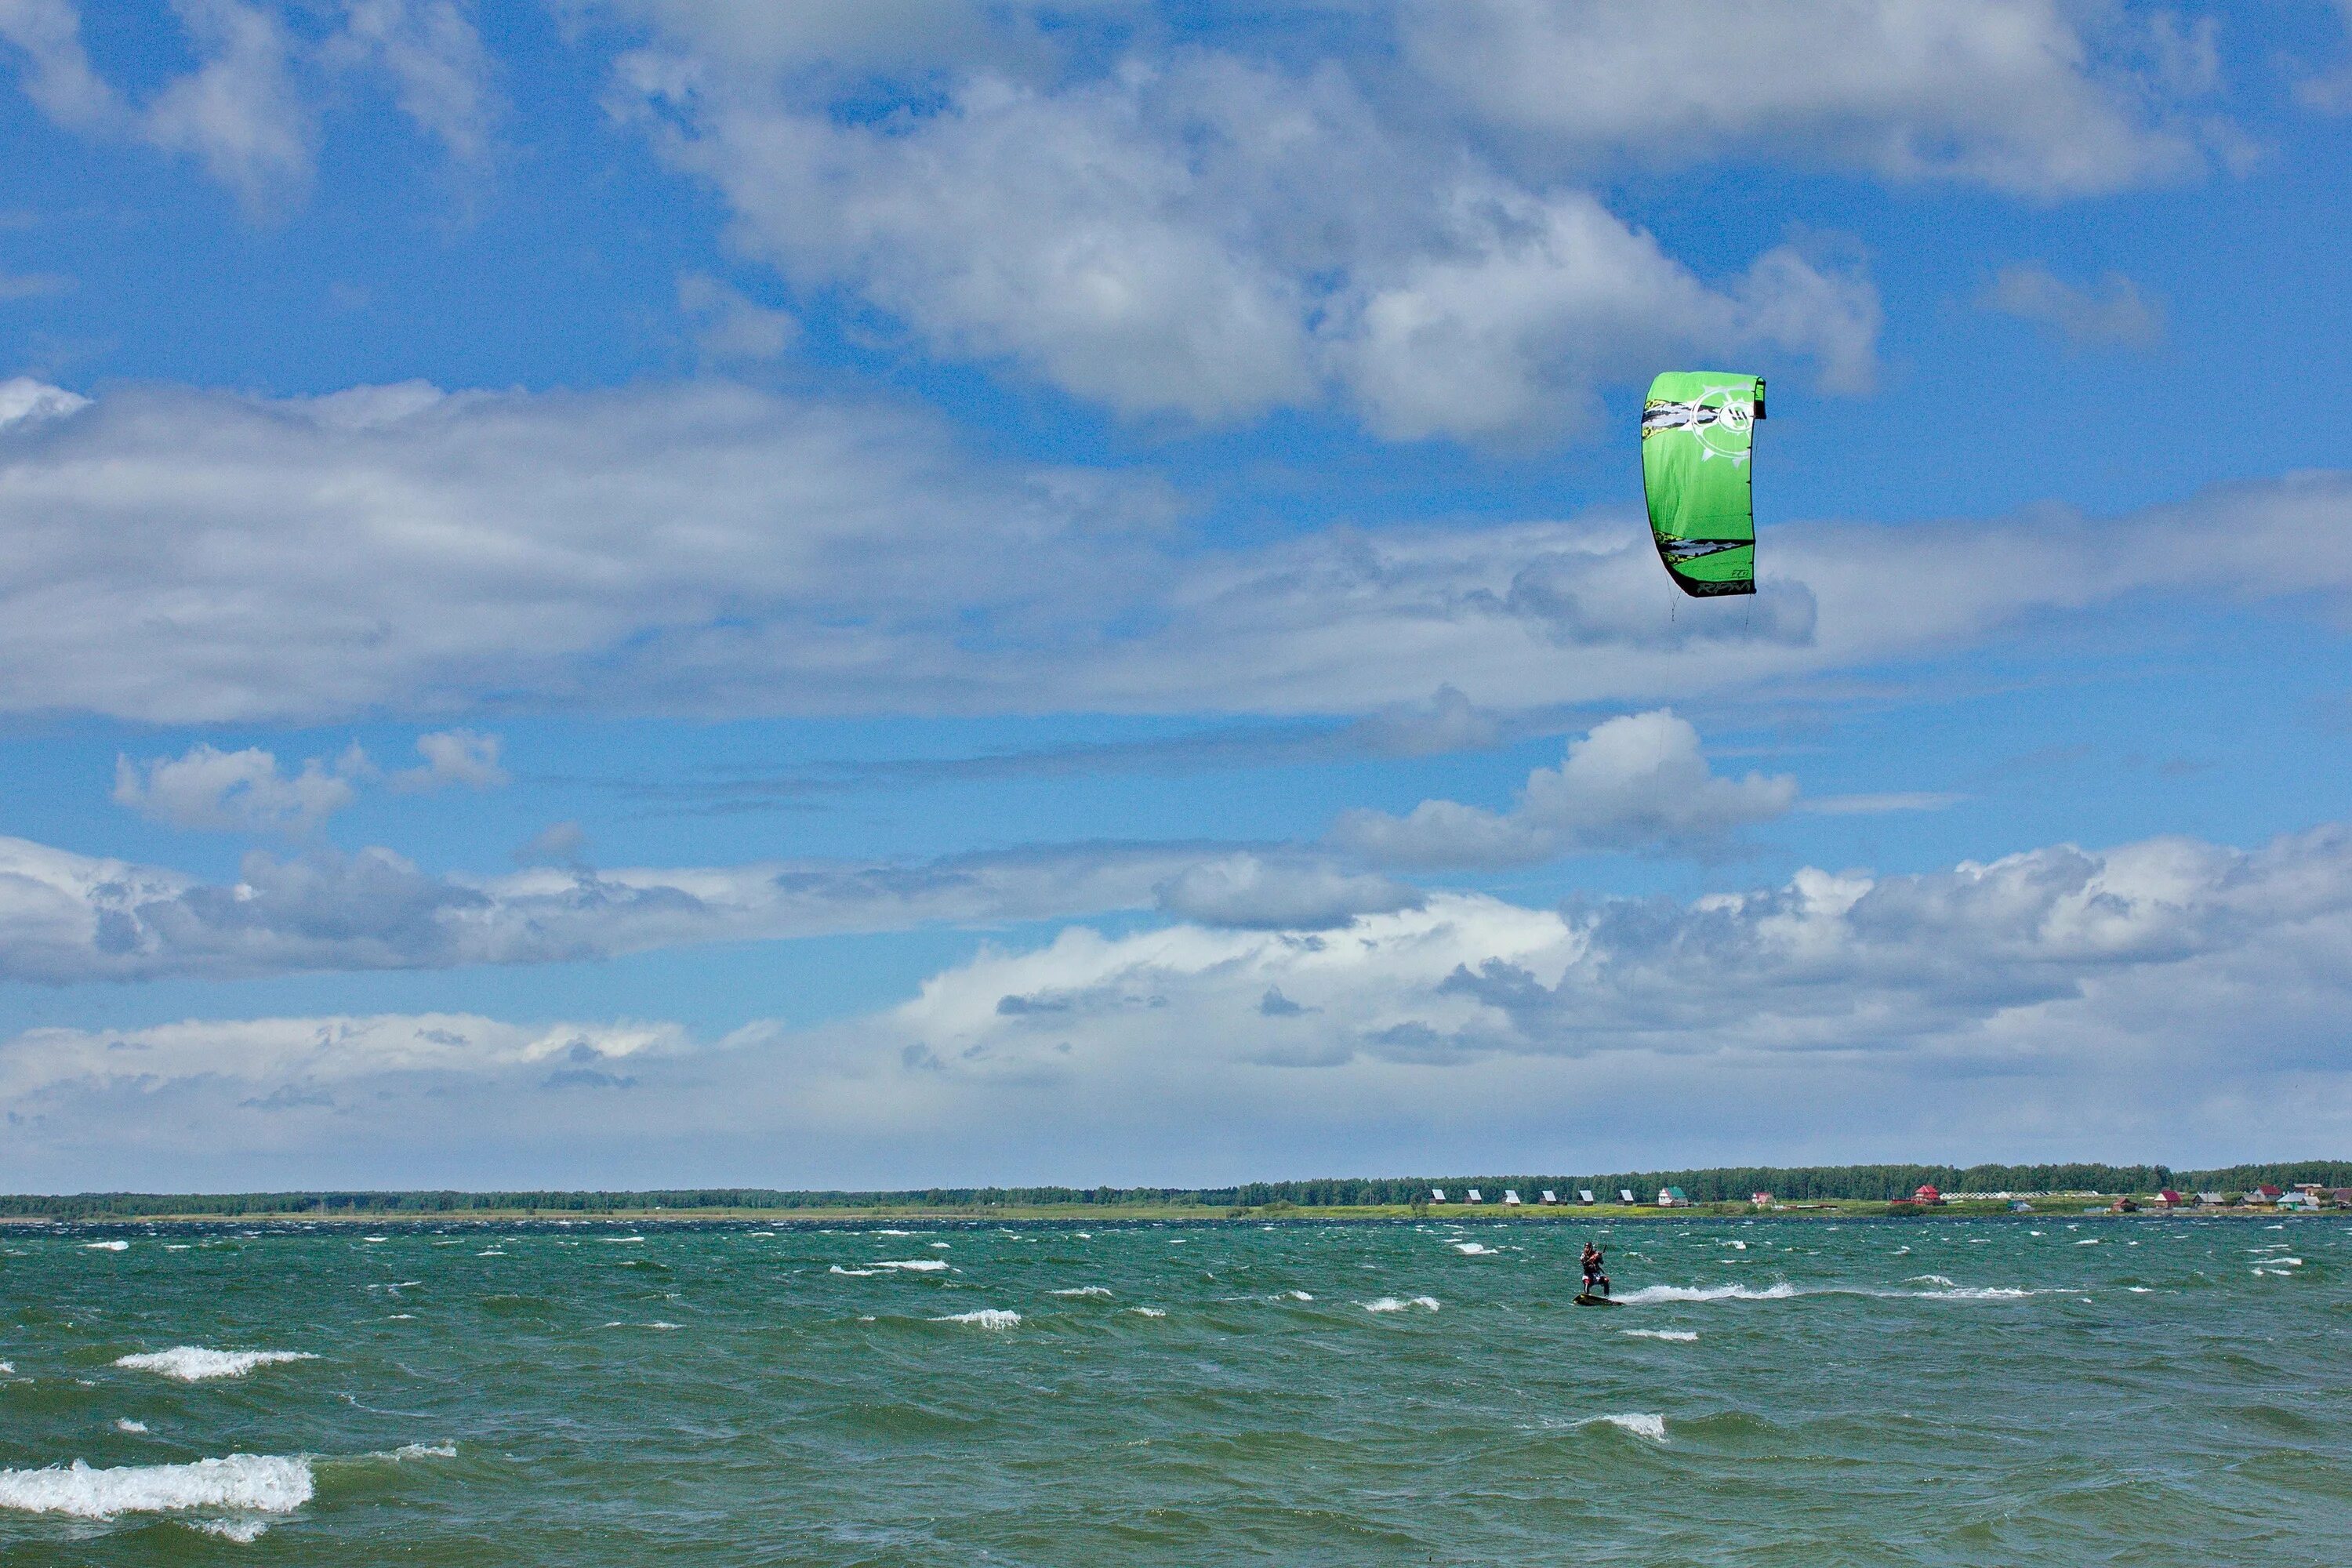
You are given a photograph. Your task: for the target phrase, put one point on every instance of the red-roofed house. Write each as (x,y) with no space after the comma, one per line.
(1927,1194)
(2268,1194)
(2169,1198)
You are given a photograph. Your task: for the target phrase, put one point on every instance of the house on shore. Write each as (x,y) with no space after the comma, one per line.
(1927,1196)
(1672,1198)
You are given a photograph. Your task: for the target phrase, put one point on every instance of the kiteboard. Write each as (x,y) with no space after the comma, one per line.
(1588,1299)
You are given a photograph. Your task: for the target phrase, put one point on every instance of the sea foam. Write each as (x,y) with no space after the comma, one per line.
(1681,1336)
(1081,1291)
(192,1364)
(106,1247)
(1653,1427)
(916,1264)
(263,1483)
(1390,1304)
(1650,1295)
(985,1318)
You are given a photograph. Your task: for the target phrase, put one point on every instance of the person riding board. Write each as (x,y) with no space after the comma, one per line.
(1595,1271)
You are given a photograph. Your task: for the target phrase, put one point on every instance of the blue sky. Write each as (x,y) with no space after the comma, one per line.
(912,593)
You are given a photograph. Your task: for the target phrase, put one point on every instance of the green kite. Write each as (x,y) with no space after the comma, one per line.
(1696,429)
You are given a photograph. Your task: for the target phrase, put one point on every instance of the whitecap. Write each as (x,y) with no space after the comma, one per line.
(618,1240)
(1653,1427)
(375,1239)
(1679,1335)
(494,1252)
(2139,1290)
(8,1369)
(1147,1311)
(2091,1242)
(1742,1246)
(893,1233)
(1651,1294)
(1932,1280)
(940,1245)
(444,1449)
(402,1318)
(177,1247)
(853,1273)
(106,1247)
(758,1235)
(985,1318)
(1471,1248)
(916,1264)
(127,1425)
(262,1483)
(1081,1291)
(1390,1304)
(1297,1296)
(192,1364)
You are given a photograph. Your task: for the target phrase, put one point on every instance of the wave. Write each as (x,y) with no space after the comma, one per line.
(260,1483)
(1148,1311)
(1472,1249)
(1390,1304)
(893,1233)
(1650,1295)
(106,1247)
(1932,1280)
(1082,1290)
(125,1424)
(244,1532)
(916,1264)
(1682,1336)
(1653,1427)
(985,1318)
(193,1363)
(853,1273)
(1295,1296)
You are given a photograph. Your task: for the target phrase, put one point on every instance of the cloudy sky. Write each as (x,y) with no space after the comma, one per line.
(904,592)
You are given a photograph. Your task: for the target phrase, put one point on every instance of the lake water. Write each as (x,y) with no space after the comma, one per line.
(2049,1389)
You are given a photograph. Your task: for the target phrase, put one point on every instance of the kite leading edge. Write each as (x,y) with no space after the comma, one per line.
(1697,427)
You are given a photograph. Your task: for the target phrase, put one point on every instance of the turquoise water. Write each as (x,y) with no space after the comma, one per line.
(2055,1389)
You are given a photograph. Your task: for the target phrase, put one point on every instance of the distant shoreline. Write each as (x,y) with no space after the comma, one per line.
(1082,1214)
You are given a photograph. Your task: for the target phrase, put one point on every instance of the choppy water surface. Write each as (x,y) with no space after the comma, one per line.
(2050,1390)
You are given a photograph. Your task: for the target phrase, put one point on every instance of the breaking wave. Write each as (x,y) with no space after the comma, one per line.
(1653,1427)
(261,1483)
(1082,1290)
(985,1318)
(1390,1304)
(1679,1335)
(193,1363)
(916,1264)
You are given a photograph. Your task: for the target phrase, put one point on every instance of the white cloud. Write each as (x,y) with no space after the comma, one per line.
(1195,233)
(67,917)
(732,328)
(1639,781)
(1536,300)
(2114,313)
(2167,999)
(439,70)
(248,112)
(238,791)
(453,757)
(182,558)
(2019,95)
(239,112)
(1288,893)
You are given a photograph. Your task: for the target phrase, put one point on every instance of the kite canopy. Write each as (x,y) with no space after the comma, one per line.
(1696,428)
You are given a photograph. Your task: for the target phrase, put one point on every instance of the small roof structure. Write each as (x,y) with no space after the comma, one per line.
(1625,1194)
(1475,1197)
(1550,1197)
(1511,1196)
(1584,1195)
(1437,1195)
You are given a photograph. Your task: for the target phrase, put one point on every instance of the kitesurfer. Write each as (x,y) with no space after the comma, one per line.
(1595,1271)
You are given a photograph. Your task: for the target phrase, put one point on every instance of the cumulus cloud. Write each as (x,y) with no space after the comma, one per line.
(2030,96)
(453,757)
(1639,781)
(238,791)
(248,110)
(729,327)
(2167,998)
(1198,233)
(2112,314)
(175,557)
(66,917)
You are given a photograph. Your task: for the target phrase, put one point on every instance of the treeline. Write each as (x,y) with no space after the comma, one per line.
(1719,1184)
